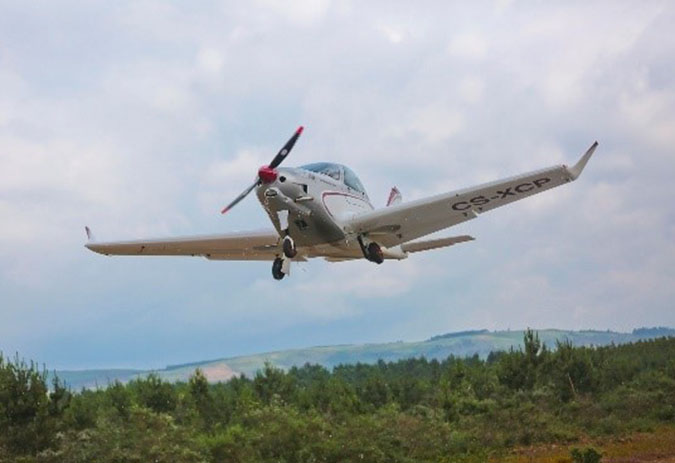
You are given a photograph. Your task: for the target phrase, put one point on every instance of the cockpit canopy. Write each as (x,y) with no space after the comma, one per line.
(338,172)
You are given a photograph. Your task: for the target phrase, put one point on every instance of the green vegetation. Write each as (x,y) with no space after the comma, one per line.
(456,409)
(588,455)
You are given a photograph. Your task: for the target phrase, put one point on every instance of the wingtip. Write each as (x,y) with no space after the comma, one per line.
(300,129)
(90,235)
(576,170)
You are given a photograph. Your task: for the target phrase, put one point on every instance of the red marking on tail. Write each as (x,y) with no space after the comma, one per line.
(393,194)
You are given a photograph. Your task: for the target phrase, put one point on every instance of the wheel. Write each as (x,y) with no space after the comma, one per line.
(276,268)
(289,247)
(375,253)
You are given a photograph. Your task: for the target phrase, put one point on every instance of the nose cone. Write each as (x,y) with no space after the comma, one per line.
(267,174)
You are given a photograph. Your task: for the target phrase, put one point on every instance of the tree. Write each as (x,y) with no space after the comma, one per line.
(59,398)
(198,386)
(375,392)
(273,382)
(519,369)
(572,370)
(25,424)
(120,398)
(155,394)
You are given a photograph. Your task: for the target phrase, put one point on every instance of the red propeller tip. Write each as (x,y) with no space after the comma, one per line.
(224,210)
(300,129)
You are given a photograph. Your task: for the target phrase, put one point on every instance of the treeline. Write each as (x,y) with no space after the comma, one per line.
(459,409)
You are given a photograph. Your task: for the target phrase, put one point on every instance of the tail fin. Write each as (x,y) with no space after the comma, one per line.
(394,197)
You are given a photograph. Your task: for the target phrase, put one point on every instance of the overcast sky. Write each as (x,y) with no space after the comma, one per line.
(144,118)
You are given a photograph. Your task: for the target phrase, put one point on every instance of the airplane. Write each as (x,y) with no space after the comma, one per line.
(323,210)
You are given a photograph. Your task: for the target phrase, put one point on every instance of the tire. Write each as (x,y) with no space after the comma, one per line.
(276,269)
(375,253)
(289,248)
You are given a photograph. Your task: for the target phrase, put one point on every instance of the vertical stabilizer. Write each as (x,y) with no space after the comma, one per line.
(394,197)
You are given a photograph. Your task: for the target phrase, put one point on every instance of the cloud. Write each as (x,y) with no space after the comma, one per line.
(468,45)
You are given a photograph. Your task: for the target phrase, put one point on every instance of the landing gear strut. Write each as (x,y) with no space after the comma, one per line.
(277,267)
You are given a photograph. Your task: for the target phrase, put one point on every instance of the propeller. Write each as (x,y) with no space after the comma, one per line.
(267,174)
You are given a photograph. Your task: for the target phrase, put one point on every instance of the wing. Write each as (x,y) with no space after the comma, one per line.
(262,245)
(398,224)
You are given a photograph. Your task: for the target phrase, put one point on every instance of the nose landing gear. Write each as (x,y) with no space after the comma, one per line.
(282,264)
(277,268)
(289,247)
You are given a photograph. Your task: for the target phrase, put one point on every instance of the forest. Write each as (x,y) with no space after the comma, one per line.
(459,409)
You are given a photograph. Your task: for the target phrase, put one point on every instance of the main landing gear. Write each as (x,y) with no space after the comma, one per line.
(371,251)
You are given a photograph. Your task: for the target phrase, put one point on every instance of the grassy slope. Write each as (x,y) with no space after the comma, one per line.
(462,345)
(459,344)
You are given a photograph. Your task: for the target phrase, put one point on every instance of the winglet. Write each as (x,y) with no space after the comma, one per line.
(575,170)
(90,235)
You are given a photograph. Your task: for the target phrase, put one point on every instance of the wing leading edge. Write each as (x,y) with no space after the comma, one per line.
(262,245)
(403,222)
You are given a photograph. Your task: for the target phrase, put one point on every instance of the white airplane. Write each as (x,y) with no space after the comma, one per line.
(322,210)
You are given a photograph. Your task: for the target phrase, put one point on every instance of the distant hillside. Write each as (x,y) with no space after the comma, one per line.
(460,344)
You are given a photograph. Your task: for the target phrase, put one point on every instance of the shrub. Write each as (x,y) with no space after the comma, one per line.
(588,455)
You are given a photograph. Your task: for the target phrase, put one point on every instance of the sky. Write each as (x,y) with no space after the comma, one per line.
(144,118)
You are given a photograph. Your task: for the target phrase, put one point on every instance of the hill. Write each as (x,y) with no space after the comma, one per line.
(459,344)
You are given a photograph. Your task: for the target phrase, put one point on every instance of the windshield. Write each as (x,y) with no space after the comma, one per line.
(352,181)
(326,168)
(333,170)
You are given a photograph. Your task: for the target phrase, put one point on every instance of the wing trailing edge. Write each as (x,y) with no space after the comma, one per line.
(426,245)
(252,245)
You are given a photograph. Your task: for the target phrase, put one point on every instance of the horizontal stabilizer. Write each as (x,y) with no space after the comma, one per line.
(417,246)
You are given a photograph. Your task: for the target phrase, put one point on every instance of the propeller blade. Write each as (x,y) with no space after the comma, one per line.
(268,170)
(240,197)
(281,155)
